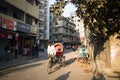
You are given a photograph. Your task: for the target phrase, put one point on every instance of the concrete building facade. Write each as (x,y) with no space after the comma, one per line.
(79,22)
(63,30)
(44,23)
(19,24)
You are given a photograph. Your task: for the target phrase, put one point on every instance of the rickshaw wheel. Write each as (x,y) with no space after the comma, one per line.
(49,67)
(63,61)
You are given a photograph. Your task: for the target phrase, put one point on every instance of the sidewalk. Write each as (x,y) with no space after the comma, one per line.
(21,60)
(108,73)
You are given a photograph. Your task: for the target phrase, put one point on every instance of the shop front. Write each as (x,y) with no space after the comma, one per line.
(3,42)
(43,43)
(7,35)
(26,38)
(23,38)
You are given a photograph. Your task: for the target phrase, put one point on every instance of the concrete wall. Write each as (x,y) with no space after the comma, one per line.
(110,56)
(33,10)
(115,52)
(103,59)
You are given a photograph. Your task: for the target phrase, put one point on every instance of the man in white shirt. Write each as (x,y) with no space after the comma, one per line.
(51,50)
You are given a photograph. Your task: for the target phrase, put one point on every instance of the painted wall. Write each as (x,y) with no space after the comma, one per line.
(115,52)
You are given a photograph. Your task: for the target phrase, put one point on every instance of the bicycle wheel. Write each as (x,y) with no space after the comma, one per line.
(63,61)
(49,67)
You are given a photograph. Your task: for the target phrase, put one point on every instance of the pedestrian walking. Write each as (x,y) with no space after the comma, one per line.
(7,52)
(16,50)
(35,52)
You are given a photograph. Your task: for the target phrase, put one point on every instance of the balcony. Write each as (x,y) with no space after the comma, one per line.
(41,1)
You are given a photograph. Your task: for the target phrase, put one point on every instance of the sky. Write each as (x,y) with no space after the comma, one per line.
(69,8)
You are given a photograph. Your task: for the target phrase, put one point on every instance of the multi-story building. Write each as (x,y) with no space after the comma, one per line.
(19,23)
(44,23)
(63,30)
(80,28)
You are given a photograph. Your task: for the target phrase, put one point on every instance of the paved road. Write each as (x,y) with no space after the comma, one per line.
(37,70)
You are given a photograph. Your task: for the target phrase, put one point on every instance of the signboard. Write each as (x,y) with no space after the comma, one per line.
(4,35)
(23,27)
(8,24)
(34,30)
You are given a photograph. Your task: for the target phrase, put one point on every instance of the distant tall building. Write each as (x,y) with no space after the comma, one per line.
(44,23)
(79,27)
(62,30)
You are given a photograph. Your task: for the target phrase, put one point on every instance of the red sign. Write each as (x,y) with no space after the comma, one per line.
(0,21)
(8,24)
(3,35)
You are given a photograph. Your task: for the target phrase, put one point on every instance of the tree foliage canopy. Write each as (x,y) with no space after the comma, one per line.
(101,17)
(58,7)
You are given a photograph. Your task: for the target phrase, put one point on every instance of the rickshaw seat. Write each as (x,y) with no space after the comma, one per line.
(58,53)
(59,49)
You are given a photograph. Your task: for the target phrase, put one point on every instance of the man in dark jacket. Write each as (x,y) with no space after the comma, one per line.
(7,52)
(35,51)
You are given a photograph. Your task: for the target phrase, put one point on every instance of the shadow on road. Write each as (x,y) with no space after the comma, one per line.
(19,68)
(64,76)
(68,62)
(99,76)
(55,68)
(22,60)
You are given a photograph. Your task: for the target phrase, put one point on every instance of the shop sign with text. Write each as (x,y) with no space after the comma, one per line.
(23,27)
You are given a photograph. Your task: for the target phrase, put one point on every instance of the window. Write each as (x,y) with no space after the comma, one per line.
(15,15)
(3,10)
(30,1)
(18,15)
(37,2)
(28,19)
(66,30)
(36,21)
(50,24)
(56,29)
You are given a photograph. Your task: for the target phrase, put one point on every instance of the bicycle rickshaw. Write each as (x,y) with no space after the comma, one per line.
(58,58)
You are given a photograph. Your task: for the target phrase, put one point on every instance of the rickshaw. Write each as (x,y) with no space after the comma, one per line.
(59,58)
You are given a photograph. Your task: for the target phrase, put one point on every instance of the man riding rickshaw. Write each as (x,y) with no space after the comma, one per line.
(55,53)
